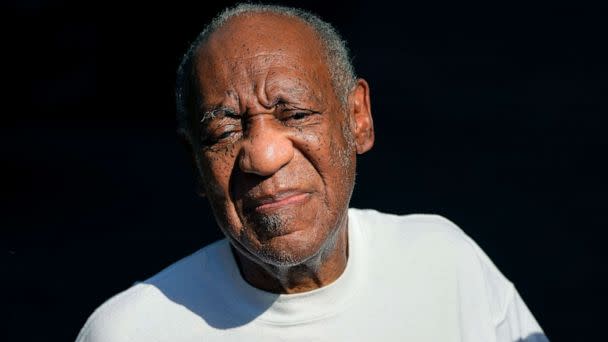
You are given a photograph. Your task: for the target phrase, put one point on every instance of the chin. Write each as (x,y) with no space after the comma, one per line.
(291,236)
(292,249)
(287,237)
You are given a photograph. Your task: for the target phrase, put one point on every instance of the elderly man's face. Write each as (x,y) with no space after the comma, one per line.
(277,149)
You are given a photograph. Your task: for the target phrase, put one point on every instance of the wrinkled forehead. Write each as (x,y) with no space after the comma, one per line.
(261,50)
(256,32)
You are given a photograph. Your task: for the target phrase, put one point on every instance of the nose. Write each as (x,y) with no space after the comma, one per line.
(266,149)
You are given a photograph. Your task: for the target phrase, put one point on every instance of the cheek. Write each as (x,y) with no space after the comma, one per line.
(340,162)
(218,165)
(327,150)
(311,144)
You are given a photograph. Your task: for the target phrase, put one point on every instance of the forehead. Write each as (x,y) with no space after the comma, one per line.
(261,50)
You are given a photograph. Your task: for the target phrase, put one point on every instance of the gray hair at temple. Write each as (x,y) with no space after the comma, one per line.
(337,57)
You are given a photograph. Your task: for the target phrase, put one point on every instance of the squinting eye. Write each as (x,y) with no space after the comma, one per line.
(225,135)
(299,116)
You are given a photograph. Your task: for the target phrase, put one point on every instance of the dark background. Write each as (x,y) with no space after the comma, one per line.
(492,115)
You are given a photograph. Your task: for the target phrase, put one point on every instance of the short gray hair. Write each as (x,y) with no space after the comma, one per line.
(336,53)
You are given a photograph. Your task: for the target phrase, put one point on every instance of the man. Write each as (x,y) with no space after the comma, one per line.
(270,107)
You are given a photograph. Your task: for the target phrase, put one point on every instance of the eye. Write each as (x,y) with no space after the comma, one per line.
(299,116)
(224,134)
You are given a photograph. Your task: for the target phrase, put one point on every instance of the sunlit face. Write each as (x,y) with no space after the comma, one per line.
(275,152)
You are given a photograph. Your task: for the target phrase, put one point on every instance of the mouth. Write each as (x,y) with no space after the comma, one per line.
(266,204)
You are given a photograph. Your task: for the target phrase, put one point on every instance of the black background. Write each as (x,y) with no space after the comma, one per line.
(491,115)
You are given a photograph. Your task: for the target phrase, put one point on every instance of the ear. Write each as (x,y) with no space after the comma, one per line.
(361,115)
(196,170)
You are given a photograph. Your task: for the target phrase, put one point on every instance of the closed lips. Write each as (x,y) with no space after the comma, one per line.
(275,201)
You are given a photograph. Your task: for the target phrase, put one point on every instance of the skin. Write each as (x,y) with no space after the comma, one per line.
(278,149)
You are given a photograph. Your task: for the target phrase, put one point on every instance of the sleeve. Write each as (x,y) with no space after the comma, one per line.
(518,324)
(513,321)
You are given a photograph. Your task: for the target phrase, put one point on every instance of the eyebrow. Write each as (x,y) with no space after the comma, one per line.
(217,111)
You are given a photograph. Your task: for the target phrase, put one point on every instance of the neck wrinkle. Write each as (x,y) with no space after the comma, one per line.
(321,270)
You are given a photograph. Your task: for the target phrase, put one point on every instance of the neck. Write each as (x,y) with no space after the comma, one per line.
(320,270)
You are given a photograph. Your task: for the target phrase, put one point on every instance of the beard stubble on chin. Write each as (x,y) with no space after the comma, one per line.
(271,226)
(268,226)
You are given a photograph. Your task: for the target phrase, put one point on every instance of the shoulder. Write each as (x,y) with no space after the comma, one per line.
(435,243)
(424,237)
(113,319)
(142,308)
(411,228)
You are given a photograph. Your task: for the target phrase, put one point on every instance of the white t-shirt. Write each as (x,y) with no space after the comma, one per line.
(408,278)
